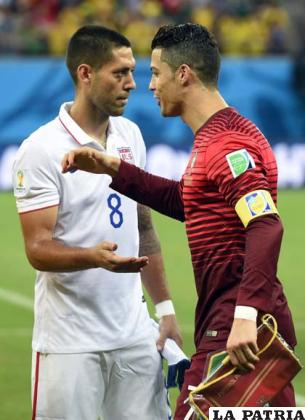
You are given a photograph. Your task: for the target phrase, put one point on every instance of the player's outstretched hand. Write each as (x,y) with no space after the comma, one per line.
(90,160)
(104,256)
(168,328)
(241,345)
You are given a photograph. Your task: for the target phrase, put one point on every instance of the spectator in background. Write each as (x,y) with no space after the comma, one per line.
(44,27)
(177,11)
(275,20)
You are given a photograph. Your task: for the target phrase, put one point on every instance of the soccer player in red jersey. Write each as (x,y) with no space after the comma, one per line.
(227,198)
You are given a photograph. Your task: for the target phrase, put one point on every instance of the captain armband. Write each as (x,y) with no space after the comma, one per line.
(255,204)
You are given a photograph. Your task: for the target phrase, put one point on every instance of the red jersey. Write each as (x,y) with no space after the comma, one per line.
(230,158)
(211,189)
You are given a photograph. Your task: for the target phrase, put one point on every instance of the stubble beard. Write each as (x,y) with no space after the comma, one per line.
(107,108)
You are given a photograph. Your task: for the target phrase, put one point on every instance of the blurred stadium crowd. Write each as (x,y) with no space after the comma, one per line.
(242,27)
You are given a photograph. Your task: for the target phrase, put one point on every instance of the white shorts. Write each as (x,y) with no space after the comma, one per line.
(121,384)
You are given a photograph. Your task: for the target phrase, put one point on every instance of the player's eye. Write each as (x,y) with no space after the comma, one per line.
(122,73)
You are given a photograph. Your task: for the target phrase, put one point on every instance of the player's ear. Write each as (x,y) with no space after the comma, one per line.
(184,74)
(84,73)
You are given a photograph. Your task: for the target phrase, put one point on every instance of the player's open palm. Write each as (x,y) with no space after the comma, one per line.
(241,345)
(105,257)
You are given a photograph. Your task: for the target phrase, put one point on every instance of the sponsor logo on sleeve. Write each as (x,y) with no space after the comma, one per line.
(19,183)
(240,161)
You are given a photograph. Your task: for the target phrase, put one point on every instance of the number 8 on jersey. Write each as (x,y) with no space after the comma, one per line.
(116,216)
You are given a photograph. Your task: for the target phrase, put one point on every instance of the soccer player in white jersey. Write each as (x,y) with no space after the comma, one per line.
(93,347)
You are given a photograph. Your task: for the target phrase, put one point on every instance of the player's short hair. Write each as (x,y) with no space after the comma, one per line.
(93,45)
(190,44)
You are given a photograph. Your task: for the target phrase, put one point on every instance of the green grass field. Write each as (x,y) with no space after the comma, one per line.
(17,276)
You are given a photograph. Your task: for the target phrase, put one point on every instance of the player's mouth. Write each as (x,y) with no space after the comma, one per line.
(123,100)
(157,99)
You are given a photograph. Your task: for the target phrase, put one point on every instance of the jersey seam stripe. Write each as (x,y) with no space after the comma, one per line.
(35,396)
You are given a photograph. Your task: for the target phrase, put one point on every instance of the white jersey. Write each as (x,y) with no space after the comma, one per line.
(94,309)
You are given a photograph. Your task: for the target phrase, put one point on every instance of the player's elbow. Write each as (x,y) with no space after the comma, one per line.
(34,255)
(278,227)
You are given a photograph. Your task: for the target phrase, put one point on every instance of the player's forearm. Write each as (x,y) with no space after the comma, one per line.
(51,255)
(263,243)
(153,275)
(160,194)
(154,280)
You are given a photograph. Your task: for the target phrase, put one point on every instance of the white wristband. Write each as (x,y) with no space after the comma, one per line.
(164,308)
(245,312)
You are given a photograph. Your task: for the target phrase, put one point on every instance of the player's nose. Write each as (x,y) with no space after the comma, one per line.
(130,82)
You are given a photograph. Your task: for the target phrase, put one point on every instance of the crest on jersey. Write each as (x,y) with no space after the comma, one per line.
(126,154)
(19,183)
(240,161)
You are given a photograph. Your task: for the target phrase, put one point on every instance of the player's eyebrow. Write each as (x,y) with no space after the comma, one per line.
(124,69)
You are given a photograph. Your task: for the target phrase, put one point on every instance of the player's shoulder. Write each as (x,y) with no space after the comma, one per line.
(44,133)
(124,125)
(39,141)
(233,127)
(241,124)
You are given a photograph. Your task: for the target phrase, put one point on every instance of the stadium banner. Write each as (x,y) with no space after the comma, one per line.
(260,88)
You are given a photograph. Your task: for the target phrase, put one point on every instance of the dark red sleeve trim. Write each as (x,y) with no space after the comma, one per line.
(160,194)
(259,282)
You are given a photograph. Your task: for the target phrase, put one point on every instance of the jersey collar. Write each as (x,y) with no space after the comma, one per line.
(75,131)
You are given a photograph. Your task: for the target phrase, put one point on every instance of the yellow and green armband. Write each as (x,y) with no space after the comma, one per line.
(255,204)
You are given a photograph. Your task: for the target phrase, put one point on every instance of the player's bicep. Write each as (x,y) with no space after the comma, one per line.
(236,170)
(38,226)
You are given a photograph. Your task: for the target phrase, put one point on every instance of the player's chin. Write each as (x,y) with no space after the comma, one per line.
(117,111)
(168,113)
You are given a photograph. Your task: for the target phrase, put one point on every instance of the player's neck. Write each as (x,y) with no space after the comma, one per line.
(200,105)
(91,121)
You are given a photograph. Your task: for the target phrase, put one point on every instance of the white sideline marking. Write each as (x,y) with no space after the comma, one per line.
(19,332)
(16,299)
(28,303)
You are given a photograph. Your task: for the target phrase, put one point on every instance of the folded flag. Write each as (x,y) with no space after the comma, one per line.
(176,359)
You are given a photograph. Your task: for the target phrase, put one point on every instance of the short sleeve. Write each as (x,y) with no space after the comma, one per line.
(235,164)
(34,179)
